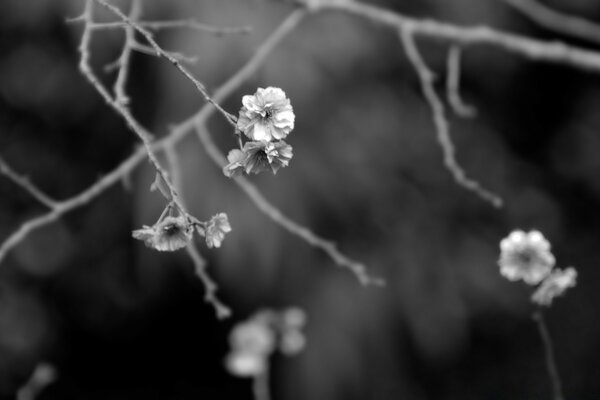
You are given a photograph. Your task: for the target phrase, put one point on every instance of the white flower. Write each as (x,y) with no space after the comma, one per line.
(252,343)
(292,321)
(170,234)
(246,364)
(267,115)
(216,229)
(525,256)
(554,285)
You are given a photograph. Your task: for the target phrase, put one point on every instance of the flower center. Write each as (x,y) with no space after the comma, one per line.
(268,113)
(526,256)
(171,229)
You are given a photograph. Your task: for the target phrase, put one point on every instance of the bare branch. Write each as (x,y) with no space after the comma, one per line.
(555,52)
(151,52)
(159,51)
(550,19)
(210,287)
(453,85)
(26,185)
(271,211)
(178,132)
(188,23)
(121,109)
(426,78)
(123,61)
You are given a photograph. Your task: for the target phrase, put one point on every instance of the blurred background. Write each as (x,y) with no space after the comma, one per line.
(120,321)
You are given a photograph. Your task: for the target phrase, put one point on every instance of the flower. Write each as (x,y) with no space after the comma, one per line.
(216,229)
(554,285)
(252,342)
(237,163)
(258,157)
(525,256)
(266,115)
(293,340)
(267,156)
(169,234)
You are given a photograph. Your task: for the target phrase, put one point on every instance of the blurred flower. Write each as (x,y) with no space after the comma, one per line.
(266,115)
(216,229)
(252,342)
(258,157)
(525,256)
(169,234)
(554,285)
(293,340)
(237,163)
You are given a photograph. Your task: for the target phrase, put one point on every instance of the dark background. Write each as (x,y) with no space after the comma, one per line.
(121,321)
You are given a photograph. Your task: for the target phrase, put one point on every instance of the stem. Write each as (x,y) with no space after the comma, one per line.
(549,353)
(260,385)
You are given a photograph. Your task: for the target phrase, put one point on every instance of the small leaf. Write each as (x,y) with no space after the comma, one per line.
(160,184)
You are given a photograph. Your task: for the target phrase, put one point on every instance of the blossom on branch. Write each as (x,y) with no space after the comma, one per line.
(266,115)
(254,341)
(256,157)
(554,285)
(168,234)
(215,230)
(525,256)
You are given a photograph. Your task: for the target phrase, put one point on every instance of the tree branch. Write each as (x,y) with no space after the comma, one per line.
(177,133)
(26,185)
(453,85)
(556,21)
(539,50)
(159,51)
(426,78)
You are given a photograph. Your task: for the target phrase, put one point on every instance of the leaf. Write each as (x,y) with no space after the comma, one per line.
(161,184)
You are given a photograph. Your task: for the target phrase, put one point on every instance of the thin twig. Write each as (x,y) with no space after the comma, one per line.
(26,185)
(123,61)
(426,79)
(159,51)
(551,365)
(453,85)
(562,23)
(260,384)
(134,125)
(210,294)
(178,132)
(149,50)
(540,50)
(187,23)
(271,211)
(210,286)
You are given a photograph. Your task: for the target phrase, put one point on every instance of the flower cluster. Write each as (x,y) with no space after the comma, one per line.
(254,340)
(526,256)
(266,118)
(175,228)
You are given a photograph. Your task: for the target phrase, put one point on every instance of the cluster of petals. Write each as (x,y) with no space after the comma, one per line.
(526,256)
(554,285)
(171,233)
(258,157)
(253,341)
(215,229)
(266,118)
(266,115)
